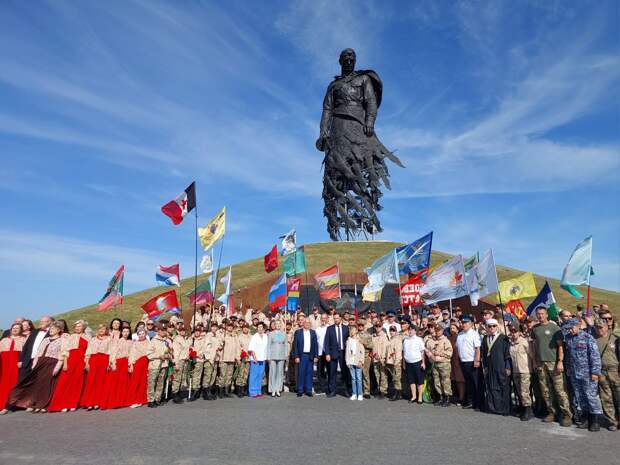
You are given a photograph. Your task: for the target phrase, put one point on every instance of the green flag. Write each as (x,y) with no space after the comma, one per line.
(204,286)
(295,263)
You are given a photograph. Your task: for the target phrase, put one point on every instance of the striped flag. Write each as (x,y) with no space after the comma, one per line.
(293,290)
(168,275)
(114,294)
(277,294)
(328,283)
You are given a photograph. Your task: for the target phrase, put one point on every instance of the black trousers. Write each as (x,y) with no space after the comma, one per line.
(472,383)
(322,373)
(334,363)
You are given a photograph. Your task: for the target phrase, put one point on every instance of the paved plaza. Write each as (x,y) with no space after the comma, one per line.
(295,431)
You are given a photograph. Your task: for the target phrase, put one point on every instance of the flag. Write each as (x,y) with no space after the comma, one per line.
(288,242)
(471,262)
(162,303)
(371,293)
(410,290)
(545,298)
(277,294)
(293,291)
(295,263)
(168,275)
(447,281)
(328,282)
(185,202)
(517,288)
(579,268)
(206,264)
(384,270)
(516,308)
(416,256)
(482,278)
(203,294)
(271,260)
(227,281)
(214,230)
(114,294)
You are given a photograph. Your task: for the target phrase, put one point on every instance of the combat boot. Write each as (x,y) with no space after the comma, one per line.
(240,391)
(594,426)
(194,395)
(220,392)
(177,399)
(580,420)
(566,421)
(446,401)
(227,392)
(550,418)
(396,396)
(527,414)
(205,394)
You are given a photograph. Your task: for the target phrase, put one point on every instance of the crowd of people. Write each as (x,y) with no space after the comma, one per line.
(564,370)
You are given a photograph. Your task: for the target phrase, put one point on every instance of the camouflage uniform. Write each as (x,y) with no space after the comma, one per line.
(394,360)
(609,381)
(441,351)
(366,339)
(180,349)
(243,367)
(379,351)
(158,348)
(584,361)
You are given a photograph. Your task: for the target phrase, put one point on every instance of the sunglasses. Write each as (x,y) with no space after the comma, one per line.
(607,318)
(492,326)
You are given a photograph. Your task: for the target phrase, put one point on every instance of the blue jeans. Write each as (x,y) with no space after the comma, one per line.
(257,371)
(356,380)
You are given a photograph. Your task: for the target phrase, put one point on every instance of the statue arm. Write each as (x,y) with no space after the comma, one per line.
(370,100)
(326,117)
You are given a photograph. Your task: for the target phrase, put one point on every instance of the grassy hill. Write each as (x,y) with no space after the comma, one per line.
(351,257)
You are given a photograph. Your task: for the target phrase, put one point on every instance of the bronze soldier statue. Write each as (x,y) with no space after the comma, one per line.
(354,157)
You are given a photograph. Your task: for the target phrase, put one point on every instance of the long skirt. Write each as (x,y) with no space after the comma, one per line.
(36,389)
(8,374)
(138,380)
(116,386)
(70,382)
(94,385)
(257,370)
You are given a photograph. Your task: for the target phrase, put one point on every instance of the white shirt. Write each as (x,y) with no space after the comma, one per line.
(413,347)
(466,344)
(306,340)
(387,326)
(258,345)
(37,342)
(339,335)
(320,336)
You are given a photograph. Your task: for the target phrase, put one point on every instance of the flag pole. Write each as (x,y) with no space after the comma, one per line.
(306,272)
(499,296)
(217,272)
(195,263)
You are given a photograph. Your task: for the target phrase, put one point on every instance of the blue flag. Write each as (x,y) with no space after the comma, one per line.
(545,299)
(416,256)
(277,294)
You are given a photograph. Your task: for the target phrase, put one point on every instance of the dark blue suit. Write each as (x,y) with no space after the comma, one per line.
(306,359)
(332,347)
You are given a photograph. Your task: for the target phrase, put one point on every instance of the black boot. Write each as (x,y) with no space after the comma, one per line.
(220,392)
(594,426)
(438,402)
(396,396)
(212,393)
(580,420)
(194,395)
(240,391)
(446,401)
(177,399)
(527,414)
(227,391)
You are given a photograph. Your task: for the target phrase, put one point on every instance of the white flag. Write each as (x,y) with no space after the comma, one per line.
(288,243)
(486,275)
(445,282)
(206,264)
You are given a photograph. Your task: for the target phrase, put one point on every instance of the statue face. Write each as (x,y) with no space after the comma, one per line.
(347,60)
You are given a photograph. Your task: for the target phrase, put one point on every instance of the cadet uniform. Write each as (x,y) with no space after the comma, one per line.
(583,361)
(440,353)
(199,346)
(521,356)
(379,355)
(315,320)
(609,381)
(158,365)
(213,346)
(180,350)
(366,339)
(243,368)
(228,356)
(393,363)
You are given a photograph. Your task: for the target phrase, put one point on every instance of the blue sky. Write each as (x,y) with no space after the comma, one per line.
(505,114)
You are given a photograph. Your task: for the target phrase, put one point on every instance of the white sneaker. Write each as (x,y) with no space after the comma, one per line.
(360,397)
(353,397)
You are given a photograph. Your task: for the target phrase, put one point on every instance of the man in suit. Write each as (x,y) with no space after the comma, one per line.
(31,346)
(334,349)
(305,352)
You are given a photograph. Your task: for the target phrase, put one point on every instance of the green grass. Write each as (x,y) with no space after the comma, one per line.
(351,257)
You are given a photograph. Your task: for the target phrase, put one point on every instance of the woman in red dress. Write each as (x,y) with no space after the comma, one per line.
(138,367)
(96,365)
(71,379)
(35,390)
(10,350)
(118,374)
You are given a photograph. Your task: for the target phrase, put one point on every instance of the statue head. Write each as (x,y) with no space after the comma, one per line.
(347,61)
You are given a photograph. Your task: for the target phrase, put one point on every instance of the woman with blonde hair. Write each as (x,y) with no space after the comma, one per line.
(96,362)
(354,358)
(71,379)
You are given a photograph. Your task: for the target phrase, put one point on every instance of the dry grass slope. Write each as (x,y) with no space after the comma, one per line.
(351,257)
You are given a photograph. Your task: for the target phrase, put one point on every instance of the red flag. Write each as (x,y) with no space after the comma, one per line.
(516,308)
(185,202)
(410,289)
(271,260)
(162,303)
